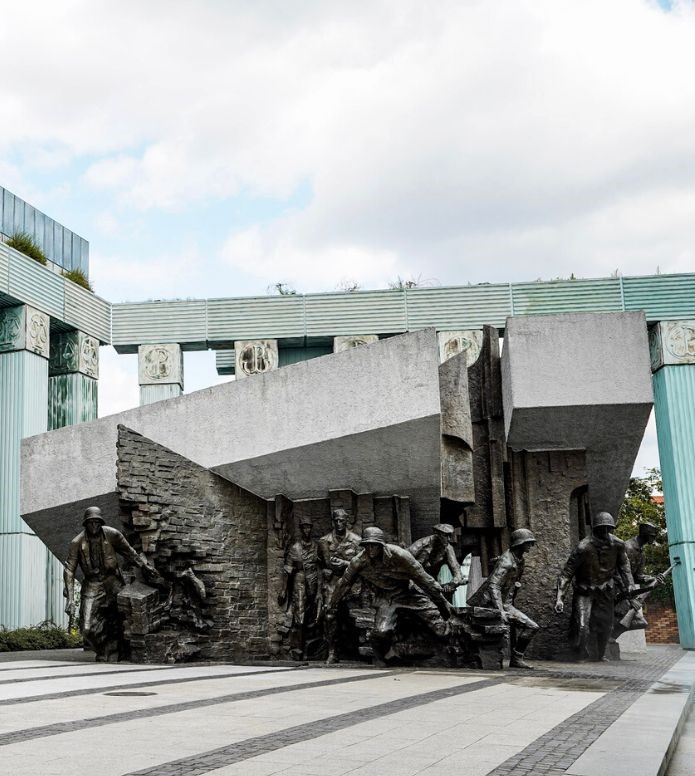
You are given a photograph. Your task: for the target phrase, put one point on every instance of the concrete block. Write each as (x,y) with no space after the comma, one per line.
(640,742)
(24,328)
(160,364)
(346,342)
(580,381)
(254,357)
(672,342)
(469,342)
(366,419)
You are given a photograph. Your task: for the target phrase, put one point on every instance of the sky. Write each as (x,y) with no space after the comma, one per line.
(217,147)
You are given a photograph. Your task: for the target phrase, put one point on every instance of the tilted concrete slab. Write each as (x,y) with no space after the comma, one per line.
(580,381)
(366,419)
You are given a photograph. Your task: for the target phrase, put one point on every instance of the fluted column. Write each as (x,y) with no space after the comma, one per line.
(24,350)
(73,373)
(672,346)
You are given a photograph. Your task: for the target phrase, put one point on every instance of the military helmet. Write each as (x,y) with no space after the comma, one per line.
(521,536)
(446,529)
(373,535)
(648,528)
(601,519)
(92,513)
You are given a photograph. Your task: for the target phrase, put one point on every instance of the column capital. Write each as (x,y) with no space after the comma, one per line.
(254,357)
(348,341)
(74,351)
(672,343)
(24,328)
(468,341)
(160,364)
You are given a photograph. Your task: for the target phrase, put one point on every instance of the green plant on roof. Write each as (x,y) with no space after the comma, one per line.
(77,276)
(25,243)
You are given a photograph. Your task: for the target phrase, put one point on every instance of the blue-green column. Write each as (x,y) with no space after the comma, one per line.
(160,372)
(673,361)
(24,350)
(73,380)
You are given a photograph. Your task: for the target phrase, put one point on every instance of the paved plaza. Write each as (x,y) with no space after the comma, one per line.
(62,715)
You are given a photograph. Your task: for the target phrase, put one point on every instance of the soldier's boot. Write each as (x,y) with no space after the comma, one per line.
(516,660)
(332,657)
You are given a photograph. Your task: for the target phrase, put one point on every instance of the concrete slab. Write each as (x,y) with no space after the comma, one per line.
(330,721)
(580,381)
(367,419)
(642,740)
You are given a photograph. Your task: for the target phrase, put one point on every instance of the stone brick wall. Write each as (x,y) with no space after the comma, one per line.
(544,484)
(186,517)
(663,623)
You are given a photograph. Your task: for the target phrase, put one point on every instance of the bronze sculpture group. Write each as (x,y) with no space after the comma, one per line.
(323,583)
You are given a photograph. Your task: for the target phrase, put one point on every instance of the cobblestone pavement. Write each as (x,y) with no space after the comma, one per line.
(229,720)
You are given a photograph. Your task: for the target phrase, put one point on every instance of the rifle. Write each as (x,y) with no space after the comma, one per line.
(626,621)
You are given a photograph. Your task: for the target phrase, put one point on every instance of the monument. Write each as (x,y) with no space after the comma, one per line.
(310,522)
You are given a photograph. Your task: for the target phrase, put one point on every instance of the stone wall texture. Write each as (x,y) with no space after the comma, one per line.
(186,517)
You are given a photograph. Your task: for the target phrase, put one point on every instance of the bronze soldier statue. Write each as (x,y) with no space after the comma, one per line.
(301,589)
(398,582)
(593,566)
(499,590)
(628,613)
(95,551)
(336,550)
(435,551)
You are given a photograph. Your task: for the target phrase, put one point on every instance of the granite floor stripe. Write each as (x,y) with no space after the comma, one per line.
(57,728)
(82,674)
(202,763)
(555,751)
(71,664)
(155,683)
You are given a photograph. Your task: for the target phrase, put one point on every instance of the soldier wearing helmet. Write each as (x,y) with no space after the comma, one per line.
(95,551)
(593,567)
(499,590)
(399,583)
(436,551)
(628,609)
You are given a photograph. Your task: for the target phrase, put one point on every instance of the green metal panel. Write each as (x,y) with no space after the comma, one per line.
(567,296)
(267,317)
(54,601)
(23,399)
(217,323)
(34,284)
(4,270)
(225,362)
(23,412)
(182,321)
(288,356)
(363,312)
(662,297)
(87,312)
(674,408)
(22,573)
(69,250)
(149,394)
(72,398)
(458,307)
